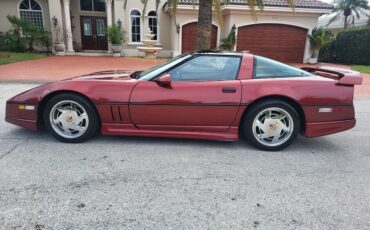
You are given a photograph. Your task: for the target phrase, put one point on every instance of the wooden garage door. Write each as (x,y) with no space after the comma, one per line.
(280,42)
(189,37)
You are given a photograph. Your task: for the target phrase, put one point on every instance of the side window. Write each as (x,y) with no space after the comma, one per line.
(267,68)
(207,68)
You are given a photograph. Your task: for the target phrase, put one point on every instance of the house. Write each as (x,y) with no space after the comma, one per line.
(278,32)
(338,25)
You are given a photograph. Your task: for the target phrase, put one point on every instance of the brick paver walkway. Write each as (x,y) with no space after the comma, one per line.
(55,68)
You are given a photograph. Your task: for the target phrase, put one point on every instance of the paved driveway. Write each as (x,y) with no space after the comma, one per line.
(55,68)
(150,183)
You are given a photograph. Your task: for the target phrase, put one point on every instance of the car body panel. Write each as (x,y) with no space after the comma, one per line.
(204,110)
(185,104)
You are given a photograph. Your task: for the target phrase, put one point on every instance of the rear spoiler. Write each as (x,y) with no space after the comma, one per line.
(343,76)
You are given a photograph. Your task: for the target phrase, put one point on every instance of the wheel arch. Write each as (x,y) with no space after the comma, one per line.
(284,98)
(49,96)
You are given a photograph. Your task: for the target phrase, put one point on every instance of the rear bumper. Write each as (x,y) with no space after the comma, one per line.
(23,118)
(325,128)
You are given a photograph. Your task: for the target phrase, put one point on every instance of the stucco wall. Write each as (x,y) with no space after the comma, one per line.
(304,20)
(10,7)
(184,17)
(242,18)
(164,23)
(169,38)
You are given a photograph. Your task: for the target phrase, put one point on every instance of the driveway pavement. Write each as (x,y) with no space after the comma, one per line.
(54,68)
(156,183)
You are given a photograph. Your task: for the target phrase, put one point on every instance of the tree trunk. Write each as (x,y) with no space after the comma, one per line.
(204,27)
(345,22)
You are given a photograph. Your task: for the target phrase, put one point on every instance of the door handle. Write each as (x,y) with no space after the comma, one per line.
(228,89)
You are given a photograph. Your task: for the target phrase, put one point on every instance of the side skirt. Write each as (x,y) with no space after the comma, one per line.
(130,130)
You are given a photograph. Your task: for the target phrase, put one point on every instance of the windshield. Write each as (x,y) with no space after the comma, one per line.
(156,70)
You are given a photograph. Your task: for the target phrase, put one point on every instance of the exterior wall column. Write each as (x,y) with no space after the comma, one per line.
(307,51)
(108,7)
(68,28)
(55,11)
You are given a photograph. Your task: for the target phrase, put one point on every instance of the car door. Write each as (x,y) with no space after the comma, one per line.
(204,95)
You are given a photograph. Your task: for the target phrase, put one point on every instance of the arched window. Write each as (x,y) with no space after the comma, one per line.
(153,23)
(135,26)
(30,10)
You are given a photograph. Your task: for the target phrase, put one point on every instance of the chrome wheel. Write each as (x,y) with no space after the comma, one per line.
(69,119)
(273,126)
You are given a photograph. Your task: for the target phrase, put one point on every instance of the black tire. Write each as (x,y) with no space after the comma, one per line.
(91,123)
(250,131)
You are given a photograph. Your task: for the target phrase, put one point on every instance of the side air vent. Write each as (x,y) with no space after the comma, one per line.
(116,113)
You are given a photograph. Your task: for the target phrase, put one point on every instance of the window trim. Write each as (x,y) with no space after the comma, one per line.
(42,10)
(158,27)
(200,55)
(93,10)
(141,27)
(272,77)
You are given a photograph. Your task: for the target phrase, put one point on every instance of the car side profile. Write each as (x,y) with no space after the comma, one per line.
(200,95)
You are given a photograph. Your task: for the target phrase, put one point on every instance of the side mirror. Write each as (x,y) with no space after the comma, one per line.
(164,81)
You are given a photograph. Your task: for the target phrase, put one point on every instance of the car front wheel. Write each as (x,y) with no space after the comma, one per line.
(70,118)
(271,125)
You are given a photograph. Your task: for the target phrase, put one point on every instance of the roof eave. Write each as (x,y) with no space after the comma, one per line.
(265,9)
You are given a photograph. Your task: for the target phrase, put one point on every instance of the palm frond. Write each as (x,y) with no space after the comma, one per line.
(217,6)
(252,9)
(335,17)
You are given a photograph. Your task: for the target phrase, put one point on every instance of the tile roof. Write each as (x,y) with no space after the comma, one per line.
(314,4)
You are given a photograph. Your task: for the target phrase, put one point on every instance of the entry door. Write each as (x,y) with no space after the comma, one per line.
(93,33)
(204,95)
(194,106)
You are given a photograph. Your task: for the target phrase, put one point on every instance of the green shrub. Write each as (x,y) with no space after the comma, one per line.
(228,43)
(24,35)
(3,46)
(115,34)
(353,47)
(318,38)
(13,41)
(327,52)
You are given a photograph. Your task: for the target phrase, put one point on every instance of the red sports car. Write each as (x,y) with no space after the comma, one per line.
(205,95)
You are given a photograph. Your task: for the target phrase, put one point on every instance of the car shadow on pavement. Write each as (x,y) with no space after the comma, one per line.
(300,144)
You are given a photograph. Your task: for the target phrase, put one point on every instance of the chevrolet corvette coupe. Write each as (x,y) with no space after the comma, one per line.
(204,95)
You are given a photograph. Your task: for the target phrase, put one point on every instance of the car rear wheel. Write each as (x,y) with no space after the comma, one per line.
(271,125)
(70,118)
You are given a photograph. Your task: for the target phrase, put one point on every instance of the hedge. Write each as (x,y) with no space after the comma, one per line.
(327,53)
(353,47)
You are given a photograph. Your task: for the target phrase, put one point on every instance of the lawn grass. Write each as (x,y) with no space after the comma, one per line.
(9,57)
(361,68)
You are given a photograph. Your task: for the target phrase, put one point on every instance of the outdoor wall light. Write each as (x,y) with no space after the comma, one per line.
(119,22)
(55,20)
(178,28)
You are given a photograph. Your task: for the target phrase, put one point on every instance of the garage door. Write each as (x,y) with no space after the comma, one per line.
(189,37)
(280,42)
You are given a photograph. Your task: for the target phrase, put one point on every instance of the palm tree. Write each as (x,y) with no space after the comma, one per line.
(204,27)
(348,8)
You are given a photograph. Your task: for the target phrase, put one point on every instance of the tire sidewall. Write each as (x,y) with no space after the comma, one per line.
(90,110)
(249,117)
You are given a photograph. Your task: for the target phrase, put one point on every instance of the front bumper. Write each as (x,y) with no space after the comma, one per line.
(326,128)
(21,117)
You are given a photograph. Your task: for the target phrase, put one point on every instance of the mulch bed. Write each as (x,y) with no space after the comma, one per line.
(2,55)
